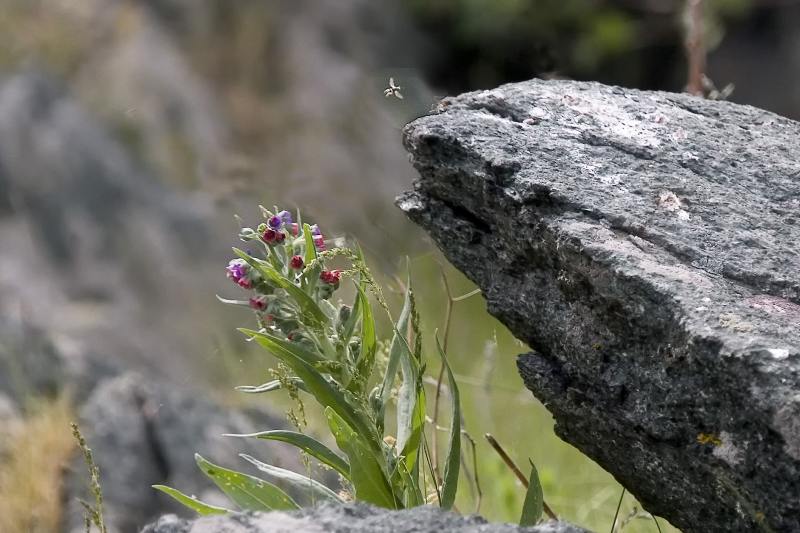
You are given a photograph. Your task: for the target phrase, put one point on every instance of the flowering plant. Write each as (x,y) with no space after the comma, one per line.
(330,350)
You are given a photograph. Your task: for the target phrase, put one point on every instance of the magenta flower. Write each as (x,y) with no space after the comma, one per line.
(269,236)
(319,242)
(280,237)
(296,262)
(331,277)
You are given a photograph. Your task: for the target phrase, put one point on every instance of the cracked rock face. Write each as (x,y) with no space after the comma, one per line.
(647,247)
(350,518)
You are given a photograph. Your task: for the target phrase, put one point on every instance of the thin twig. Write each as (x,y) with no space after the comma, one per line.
(517,472)
(695,46)
(616,514)
(476,480)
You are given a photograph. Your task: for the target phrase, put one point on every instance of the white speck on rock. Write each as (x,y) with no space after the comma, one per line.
(778,353)
(727,451)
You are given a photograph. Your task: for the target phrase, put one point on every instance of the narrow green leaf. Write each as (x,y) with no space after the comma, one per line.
(407,395)
(273,342)
(366,473)
(299,481)
(306,443)
(270,386)
(310,249)
(203,509)
(412,495)
(248,492)
(411,449)
(369,342)
(453,460)
(396,350)
(350,324)
(323,390)
(307,305)
(533,507)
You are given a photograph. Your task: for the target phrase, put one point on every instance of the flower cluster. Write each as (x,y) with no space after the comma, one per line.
(284,243)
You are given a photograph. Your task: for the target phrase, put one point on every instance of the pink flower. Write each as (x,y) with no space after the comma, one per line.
(296,262)
(259,303)
(319,242)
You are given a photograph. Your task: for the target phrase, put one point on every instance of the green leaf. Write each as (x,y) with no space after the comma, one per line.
(366,473)
(411,449)
(396,349)
(273,342)
(533,507)
(408,393)
(311,250)
(453,460)
(369,342)
(203,509)
(298,481)
(325,392)
(307,305)
(412,495)
(306,443)
(248,492)
(352,320)
(270,386)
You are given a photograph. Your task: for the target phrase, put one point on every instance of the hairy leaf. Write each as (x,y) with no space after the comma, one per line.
(315,488)
(191,502)
(248,492)
(453,461)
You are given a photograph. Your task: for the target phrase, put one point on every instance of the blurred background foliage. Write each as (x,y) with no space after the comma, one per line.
(131,131)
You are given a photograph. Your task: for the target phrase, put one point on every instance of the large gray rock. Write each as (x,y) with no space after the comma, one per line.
(350,518)
(143,433)
(646,245)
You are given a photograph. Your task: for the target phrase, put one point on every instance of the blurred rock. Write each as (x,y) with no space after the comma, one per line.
(647,245)
(142,433)
(94,243)
(350,518)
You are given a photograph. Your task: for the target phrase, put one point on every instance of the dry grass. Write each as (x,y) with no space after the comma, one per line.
(31,469)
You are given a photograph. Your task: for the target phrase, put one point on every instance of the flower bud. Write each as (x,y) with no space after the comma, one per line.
(296,262)
(269,236)
(280,237)
(258,303)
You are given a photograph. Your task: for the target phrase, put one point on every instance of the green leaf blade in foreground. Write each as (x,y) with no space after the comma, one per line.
(533,507)
(324,392)
(203,509)
(366,473)
(306,443)
(453,461)
(248,492)
(299,481)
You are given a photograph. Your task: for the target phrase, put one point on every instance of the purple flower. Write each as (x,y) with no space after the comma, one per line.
(286,217)
(275,222)
(237,271)
(315,230)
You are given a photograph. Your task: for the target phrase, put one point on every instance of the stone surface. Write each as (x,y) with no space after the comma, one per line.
(350,518)
(143,433)
(645,245)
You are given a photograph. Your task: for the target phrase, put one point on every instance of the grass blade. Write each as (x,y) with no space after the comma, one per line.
(293,478)
(248,492)
(203,509)
(306,443)
(453,461)
(533,507)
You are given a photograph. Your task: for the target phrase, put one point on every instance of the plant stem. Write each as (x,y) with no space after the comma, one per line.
(695,46)
(517,472)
